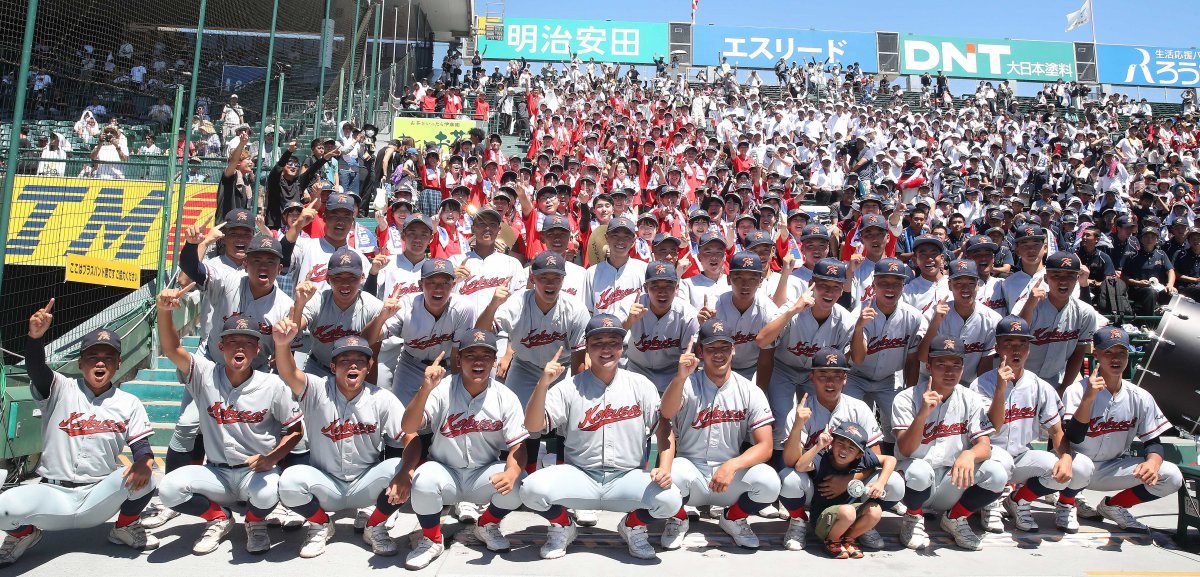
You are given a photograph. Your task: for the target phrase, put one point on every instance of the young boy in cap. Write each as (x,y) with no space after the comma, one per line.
(843,518)
(1022,406)
(964,319)
(612,286)
(471,420)
(942,442)
(712,281)
(1062,324)
(355,447)
(743,309)
(605,415)
(1103,415)
(715,412)
(335,307)
(86,423)
(660,326)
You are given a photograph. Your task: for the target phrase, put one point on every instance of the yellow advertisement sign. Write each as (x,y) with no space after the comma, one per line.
(440,131)
(103,272)
(116,221)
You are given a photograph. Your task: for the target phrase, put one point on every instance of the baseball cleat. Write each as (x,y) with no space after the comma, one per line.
(1021,513)
(157,515)
(692,512)
(1084,510)
(558,537)
(871,539)
(214,532)
(381,543)
(133,535)
(286,518)
(257,538)
(797,534)
(637,538)
(492,537)
(739,529)
(674,532)
(1121,516)
(585,517)
(1066,518)
(316,535)
(960,529)
(912,531)
(14,547)
(991,519)
(361,517)
(423,554)
(466,512)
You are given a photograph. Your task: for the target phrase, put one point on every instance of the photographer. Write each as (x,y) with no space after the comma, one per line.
(109,152)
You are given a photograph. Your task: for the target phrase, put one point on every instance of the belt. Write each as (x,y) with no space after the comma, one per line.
(445,361)
(68,484)
(228,466)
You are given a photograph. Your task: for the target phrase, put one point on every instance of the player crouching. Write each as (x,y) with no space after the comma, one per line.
(86,422)
(1103,415)
(355,446)
(469,419)
(716,411)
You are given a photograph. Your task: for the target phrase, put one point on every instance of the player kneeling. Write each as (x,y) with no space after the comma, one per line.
(469,419)
(605,415)
(944,450)
(86,422)
(716,411)
(1103,415)
(355,445)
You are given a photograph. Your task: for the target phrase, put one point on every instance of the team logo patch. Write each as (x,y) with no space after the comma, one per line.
(243,324)
(479,336)
(345,259)
(831,269)
(717,327)
(893,267)
(103,336)
(1114,334)
(962,265)
(1014,326)
(352,341)
(242,216)
(551,260)
(747,261)
(831,359)
(660,269)
(1066,261)
(948,343)
(852,429)
(607,322)
(440,265)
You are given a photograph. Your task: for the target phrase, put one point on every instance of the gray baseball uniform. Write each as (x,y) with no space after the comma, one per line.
(795,288)
(862,282)
(1056,333)
(534,337)
(655,343)
(991,295)
(696,288)
(497,269)
(407,274)
(468,436)
(230,295)
(216,267)
(890,341)
(801,338)
(311,255)
(327,322)
(425,337)
(921,293)
(607,289)
(745,326)
(977,333)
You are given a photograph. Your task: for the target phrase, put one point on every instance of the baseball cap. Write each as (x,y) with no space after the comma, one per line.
(559,222)
(873,221)
(757,237)
(1063,260)
(341,202)
(712,237)
(100,336)
(1124,220)
(489,211)
(351,344)
(663,237)
(604,323)
(450,203)
(549,261)
(1014,326)
(1109,337)
(263,243)
(417,219)
(239,218)
(293,205)
(345,260)
(979,241)
(241,324)
(545,190)
(661,270)
(1029,232)
(437,266)
(699,215)
(928,239)
(851,432)
(963,267)
(891,267)
(620,223)
(713,330)
(814,231)
(746,261)
(830,358)
(830,269)
(798,211)
(946,347)
(478,338)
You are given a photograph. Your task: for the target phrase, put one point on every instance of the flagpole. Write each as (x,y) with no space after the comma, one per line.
(1095,47)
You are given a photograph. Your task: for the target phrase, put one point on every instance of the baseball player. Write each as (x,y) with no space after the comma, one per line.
(813,322)
(930,284)
(826,409)
(1062,324)
(660,326)
(1103,415)
(965,320)
(712,281)
(716,412)
(605,415)
(485,268)
(814,246)
(236,231)
(335,307)
(472,419)
(308,257)
(612,286)
(245,412)
(403,271)
(742,309)
(86,423)
(883,347)
(556,235)
(873,231)
(781,287)
(981,249)
(1030,274)
(428,324)
(355,447)
(942,442)
(1021,406)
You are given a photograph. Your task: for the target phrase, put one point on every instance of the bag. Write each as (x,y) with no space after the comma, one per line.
(1112,298)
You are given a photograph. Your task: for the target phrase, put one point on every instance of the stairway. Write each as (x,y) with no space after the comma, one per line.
(159,389)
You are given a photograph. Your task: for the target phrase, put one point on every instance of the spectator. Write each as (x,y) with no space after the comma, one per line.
(232,116)
(110,153)
(55,150)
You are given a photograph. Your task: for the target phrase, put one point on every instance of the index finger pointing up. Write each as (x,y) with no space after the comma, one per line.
(49,306)
(558,354)
(438,360)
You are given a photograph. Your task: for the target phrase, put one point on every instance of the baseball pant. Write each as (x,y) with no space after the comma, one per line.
(1038,464)
(875,393)
(760,483)
(220,485)
(436,485)
(522,377)
(300,484)
(1117,474)
(660,378)
(183,438)
(796,485)
(386,361)
(919,475)
(605,490)
(783,391)
(54,508)
(409,375)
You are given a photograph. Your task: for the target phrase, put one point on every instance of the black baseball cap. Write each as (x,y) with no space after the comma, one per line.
(100,336)
(1109,337)
(980,241)
(757,237)
(352,344)
(891,267)
(604,323)
(239,218)
(345,260)
(663,237)
(435,266)
(418,219)
(242,324)
(928,239)
(711,236)
(1063,260)
(1014,326)
(814,231)
(478,338)
(746,261)
(830,358)
(661,270)
(1029,232)
(873,221)
(341,201)
(557,221)
(964,267)
(946,347)
(830,269)
(549,261)
(851,432)
(713,330)
(621,223)
(263,243)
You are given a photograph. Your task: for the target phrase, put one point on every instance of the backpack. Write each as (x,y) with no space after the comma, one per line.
(1112,298)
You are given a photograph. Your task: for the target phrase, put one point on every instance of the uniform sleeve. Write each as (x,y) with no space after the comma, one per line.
(435,406)
(1071,398)
(514,421)
(978,424)
(395,324)
(1151,422)
(914,339)
(285,408)
(195,378)
(138,427)
(393,413)
(313,394)
(588,298)
(1051,407)
(1089,322)
(556,407)
(691,327)
(507,315)
(575,332)
(902,410)
(758,411)
(313,306)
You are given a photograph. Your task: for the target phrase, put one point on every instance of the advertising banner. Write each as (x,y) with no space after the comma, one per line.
(1148,66)
(441,131)
(556,40)
(988,58)
(763,47)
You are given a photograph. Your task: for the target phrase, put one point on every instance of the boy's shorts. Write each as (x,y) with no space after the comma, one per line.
(829,516)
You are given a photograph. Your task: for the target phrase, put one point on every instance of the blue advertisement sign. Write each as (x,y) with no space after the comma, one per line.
(763,47)
(1148,66)
(233,78)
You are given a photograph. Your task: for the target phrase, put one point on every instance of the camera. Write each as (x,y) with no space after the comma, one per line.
(108,137)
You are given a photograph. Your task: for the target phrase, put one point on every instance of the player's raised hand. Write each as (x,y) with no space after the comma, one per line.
(309,213)
(39,323)
(706,311)
(856,261)
(305,290)
(1038,293)
(168,299)
(1005,374)
(789,264)
(824,439)
(1095,385)
(930,400)
(501,295)
(803,412)
(215,233)
(803,303)
(867,314)
(435,372)
(688,361)
(392,304)
(636,312)
(942,308)
(378,262)
(553,369)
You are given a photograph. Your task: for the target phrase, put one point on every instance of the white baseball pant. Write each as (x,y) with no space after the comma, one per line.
(55,508)
(436,485)
(611,490)
(299,484)
(1038,464)
(797,485)
(760,483)
(919,475)
(220,485)
(1117,474)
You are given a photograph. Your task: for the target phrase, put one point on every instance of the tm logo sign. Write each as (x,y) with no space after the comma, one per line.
(982,58)
(951,58)
(57,213)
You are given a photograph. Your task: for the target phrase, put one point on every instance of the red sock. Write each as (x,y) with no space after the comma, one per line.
(1065,500)
(959,511)
(214,512)
(252,517)
(735,512)
(632,520)
(22,532)
(377,517)
(1024,494)
(916,512)
(562,520)
(487,518)
(434,533)
(531,467)
(320,517)
(1125,499)
(798,513)
(124,520)
(681,514)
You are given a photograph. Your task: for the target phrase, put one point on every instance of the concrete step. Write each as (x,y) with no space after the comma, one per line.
(162,411)
(190,342)
(162,363)
(158,375)
(154,390)
(161,436)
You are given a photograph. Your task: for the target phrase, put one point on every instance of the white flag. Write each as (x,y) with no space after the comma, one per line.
(1080,17)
